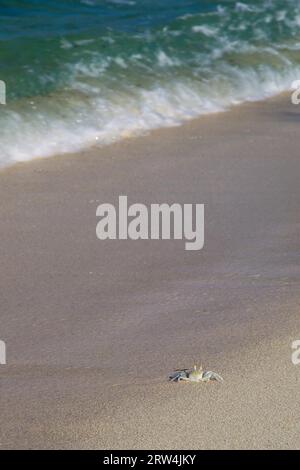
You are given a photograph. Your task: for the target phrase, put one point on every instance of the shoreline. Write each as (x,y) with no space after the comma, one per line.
(92,149)
(94,328)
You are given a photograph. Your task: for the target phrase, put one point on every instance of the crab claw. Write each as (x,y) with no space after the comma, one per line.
(210,375)
(178,375)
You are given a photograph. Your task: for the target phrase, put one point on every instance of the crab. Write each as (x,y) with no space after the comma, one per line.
(197,374)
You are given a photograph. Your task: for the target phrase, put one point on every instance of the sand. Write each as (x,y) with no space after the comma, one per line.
(93,328)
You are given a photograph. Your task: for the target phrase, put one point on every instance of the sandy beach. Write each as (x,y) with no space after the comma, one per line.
(93,328)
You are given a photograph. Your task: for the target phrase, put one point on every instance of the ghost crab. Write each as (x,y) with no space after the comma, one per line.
(197,374)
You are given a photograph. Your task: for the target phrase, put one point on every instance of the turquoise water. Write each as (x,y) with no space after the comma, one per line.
(89,72)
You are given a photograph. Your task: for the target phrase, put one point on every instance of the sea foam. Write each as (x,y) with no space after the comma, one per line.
(140,69)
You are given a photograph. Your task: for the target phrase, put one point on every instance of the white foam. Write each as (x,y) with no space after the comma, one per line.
(206,30)
(165,61)
(243,7)
(71,123)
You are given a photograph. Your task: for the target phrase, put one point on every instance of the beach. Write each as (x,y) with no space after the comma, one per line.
(93,328)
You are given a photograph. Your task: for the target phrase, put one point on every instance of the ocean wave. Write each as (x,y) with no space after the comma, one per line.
(144,69)
(77,122)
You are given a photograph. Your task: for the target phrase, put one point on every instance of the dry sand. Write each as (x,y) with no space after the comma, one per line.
(93,328)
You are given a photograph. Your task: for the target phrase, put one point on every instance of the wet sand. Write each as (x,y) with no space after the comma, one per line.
(94,327)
